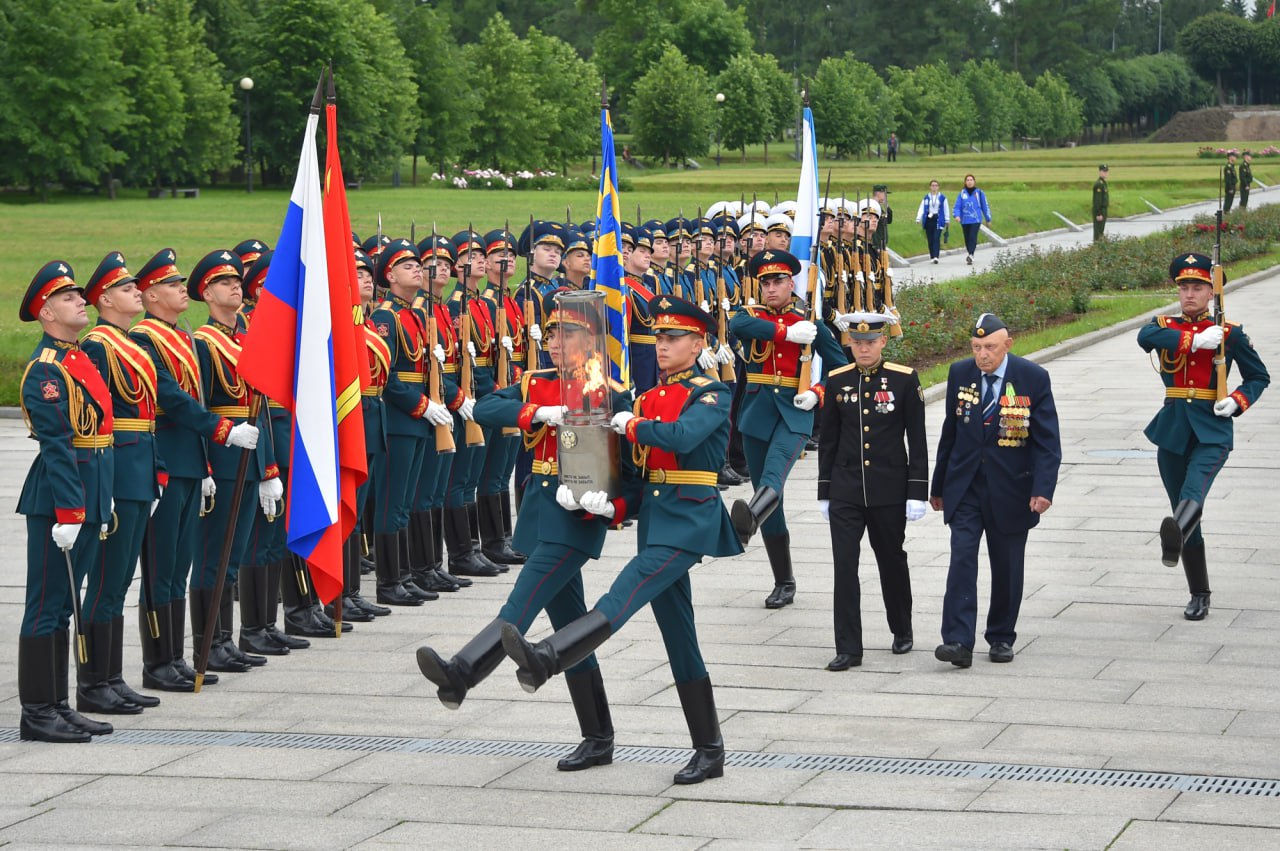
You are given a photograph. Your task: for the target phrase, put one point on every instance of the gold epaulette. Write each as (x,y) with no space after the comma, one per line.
(844,368)
(897,367)
(48,355)
(385,305)
(700,381)
(418,302)
(457,296)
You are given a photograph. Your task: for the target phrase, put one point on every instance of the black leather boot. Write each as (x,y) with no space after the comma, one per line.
(253,612)
(463,560)
(473,529)
(115,671)
(592,708)
(219,658)
(699,704)
(1197,571)
(226,615)
(351,585)
(508,525)
(784,580)
(178,637)
(41,721)
(558,651)
(158,670)
(1175,530)
(437,537)
(494,544)
(406,569)
(728,476)
(279,579)
(469,666)
(422,556)
(93,692)
(747,516)
(386,558)
(71,716)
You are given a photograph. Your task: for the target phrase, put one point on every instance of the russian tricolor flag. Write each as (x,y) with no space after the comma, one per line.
(301,352)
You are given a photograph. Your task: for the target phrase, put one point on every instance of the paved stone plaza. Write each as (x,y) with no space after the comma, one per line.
(1119,725)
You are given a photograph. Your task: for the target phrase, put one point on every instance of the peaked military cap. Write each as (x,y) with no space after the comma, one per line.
(657,227)
(881,187)
(437,246)
(677,228)
(987,324)
(773,261)
(588,227)
(701,227)
(355,241)
(496,239)
(111,272)
(576,240)
(725,224)
(362,261)
(394,252)
(560,312)
(536,233)
(249,251)
(256,275)
(677,317)
(868,326)
(219,263)
(53,277)
(1192,267)
(466,241)
(779,221)
(160,269)
(789,208)
(373,245)
(753,220)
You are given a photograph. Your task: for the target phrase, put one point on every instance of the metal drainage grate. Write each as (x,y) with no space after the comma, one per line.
(1253,786)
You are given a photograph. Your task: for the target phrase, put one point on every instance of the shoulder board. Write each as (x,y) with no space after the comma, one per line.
(1233,324)
(48,355)
(700,381)
(897,367)
(618,386)
(384,305)
(418,302)
(844,368)
(1163,321)
(540,371)
(457,296)
(752,309)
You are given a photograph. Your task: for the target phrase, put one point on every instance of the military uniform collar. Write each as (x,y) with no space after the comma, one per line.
(60,344)
(677,377)
(226,329)
(155,318)
(1200,318)
(103,323)
(398,301)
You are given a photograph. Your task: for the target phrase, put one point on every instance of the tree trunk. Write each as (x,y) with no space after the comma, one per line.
(766,151)
(413,179)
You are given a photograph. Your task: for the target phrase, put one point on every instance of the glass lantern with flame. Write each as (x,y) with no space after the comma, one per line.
(589,448)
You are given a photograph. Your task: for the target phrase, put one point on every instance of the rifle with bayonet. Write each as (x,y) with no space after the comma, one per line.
(435,369)
(466,373)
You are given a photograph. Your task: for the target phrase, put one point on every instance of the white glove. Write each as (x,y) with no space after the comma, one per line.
(1226,408)
(706,306)
(508,344)
(597,502)
(1209,338)
(535,333)
(802,332)
(471,348)
(824,505)
(707,360)
(724,354)
(564,498)
(155,503)
(916,509)
(805,401)
(437,414)
(244,435)
(270,492)
(438,351)
(841,324)
(102,533)
(467,408)
(751,301)
(65,534)
(552,415)
(620,420)
(726,305)
(208,488)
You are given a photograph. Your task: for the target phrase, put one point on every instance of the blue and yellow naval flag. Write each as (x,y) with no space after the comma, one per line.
(606,257)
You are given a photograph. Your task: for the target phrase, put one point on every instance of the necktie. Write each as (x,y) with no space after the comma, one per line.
(989,398)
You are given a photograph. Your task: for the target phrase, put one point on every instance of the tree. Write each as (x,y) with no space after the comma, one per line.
(58,116)
(780,93)
(1215,44)
(1099,97)
(993,104)
(935,105)
(1063,109)
(852,106)
(566,92)
(506,136)
(1030,114)
(289,42)
(671,109)
(743,118)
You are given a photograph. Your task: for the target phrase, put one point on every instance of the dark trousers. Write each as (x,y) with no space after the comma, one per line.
(214,527)
(550,579)
(892,156)
(1190,474)
(171,542)
(110,574)
(48,598)
(770,463)
(972,519)
(971,236)
(933,235)
(1098,228)
(1229,200)
(1244,197)
(886,525)
(396,473)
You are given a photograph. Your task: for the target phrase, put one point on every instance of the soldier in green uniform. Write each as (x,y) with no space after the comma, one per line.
(130,377)
(1194,430)
(1246,178)
(1229,182)
(678,437)
(1101,200)
(183,423)
(776,414)
(66,498)
(559,533)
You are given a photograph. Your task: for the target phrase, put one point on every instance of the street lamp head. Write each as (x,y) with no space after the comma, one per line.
(246,83)
(719,97)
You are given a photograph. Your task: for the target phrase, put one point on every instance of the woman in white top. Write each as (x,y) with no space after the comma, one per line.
(933,216)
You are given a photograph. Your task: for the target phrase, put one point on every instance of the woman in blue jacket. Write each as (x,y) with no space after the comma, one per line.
(932,215)
(971,211)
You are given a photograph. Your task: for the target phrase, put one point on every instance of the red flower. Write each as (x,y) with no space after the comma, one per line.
(913,322)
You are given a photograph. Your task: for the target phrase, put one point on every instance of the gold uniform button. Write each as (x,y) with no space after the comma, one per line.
(655,493)
(866,463)
(866,395)
(866,428)
(775,390)
(866,446)
(1193,363)
(866,411)
(662,392)
(544,484)
(866,378)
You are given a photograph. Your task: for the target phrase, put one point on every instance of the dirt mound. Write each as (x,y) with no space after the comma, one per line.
(1220,124)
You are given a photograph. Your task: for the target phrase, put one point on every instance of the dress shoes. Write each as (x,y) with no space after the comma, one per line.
(902,644)
(1197,608)
(844,661)
(1001,651)
(955,653)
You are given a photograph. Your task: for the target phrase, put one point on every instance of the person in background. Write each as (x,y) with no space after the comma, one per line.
(893,148)
(933,215)
(1101,200)
(971,211)
(1246,178)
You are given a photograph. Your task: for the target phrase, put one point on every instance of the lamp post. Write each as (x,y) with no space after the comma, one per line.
(719,114)
(1160,29)
(246,85)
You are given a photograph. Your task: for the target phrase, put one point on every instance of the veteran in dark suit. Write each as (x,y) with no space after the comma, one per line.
(997,469)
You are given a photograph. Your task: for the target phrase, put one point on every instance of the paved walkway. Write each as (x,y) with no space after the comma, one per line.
(1119,725)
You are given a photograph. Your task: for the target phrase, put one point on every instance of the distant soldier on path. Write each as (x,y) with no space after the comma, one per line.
(1101,200)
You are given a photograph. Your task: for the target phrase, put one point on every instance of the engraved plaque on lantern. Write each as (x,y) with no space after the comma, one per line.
(589,448)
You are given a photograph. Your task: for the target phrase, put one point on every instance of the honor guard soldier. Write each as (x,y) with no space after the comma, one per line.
(217,280)
(410,415)
(575,264)
(1229,182)
(66,497)
(637,243)
(1101,201)
(493,496)
(1194,430)
(130,378)
(183,422)
(678,437)
(560,533)
(681,240)
(777,235)
(1246,178)
(776,415)
(542,245)
(473,323)
(873,476)
(656,279)
(249,251)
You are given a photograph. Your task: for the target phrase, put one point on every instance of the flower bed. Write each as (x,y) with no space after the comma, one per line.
(1209,152)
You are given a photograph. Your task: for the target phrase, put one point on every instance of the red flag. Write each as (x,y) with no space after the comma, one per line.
(1272,11)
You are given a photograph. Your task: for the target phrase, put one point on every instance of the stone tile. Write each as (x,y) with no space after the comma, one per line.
(425,769)
(100,758)
(888,791)
(868,829)
(734,821)
(620,778)
(1210,808)
(890,705)
(1255,723)
(1119,717)
(204,795)
(419,835)
(1023,796)
(1161,836)
(33,790)
(138,823)
(727,698)
(745,785)
(1080,689)
(286,833)
(876,736)
(256,763)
